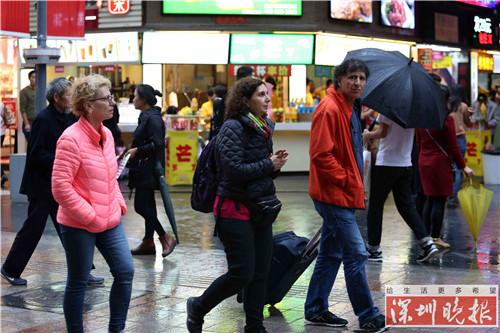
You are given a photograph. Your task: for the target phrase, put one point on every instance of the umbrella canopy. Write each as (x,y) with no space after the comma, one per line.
(167,201)
(401,89)
(475,202)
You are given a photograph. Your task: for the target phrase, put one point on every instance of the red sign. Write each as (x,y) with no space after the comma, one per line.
(15,18)
(118,7)
(265,70)
(109,69)
(10,112)
(59,69)
(66,18)
(425,58)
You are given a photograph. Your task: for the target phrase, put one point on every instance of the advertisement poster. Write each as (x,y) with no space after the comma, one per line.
(398,13)
(476,140)
(234,7)
(354,10)
(10,112)
(182,152)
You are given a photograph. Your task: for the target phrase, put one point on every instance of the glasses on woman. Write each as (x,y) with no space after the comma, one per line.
(110,99)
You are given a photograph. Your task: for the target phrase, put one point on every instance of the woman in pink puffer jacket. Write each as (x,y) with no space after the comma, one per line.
(91,204)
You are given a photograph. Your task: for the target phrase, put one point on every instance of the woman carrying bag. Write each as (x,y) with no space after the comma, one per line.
(148,150)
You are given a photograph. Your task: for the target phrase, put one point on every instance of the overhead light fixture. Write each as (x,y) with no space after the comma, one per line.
(439,48)
(493,52)
(90,18)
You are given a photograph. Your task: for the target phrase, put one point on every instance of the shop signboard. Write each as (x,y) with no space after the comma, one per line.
(481,3)
(14,18)
(441,60)
(398,13)
(65,19)
(271,49)
(120,47)
(10,112)
(118,7)
(485,62)
(425,58)
(181,156)
(264,70)
(184,47)
(354,10)
(483,31)
(234,7)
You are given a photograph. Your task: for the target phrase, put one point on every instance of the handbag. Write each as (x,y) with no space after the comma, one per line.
(452,165)
(265,210)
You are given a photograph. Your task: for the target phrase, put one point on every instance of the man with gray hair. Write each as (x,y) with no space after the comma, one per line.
(46,129)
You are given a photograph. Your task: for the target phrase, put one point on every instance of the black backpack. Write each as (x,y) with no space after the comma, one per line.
(205,180)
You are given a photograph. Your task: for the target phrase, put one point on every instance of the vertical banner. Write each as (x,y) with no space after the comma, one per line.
(476,141)
(15,18)
(181,157)
(65,18)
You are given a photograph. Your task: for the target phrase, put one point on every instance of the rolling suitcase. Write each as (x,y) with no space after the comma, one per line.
(291,257)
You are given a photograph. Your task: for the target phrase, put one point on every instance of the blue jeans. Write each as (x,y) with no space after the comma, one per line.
(340,242)
(79,247)
(462,144)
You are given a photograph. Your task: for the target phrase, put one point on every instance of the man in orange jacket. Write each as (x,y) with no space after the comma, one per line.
(336,187)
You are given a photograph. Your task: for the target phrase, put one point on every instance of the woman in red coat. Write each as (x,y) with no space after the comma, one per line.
(438,149)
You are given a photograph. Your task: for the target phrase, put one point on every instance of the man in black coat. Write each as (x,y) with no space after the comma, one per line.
(36,184)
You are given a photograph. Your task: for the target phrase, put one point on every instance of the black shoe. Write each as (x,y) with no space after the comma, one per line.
(15,281)
(326,319)
(375,256)
(95,280)
(428,252)
(194,320)
(375,325)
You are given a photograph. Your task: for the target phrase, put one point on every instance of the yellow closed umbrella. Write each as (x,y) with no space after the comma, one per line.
(475,201)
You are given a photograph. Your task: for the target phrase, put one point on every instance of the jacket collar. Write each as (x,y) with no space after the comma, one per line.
(95,136)
(340,100)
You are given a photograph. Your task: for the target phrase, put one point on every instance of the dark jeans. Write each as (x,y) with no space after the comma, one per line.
(145,205)
(29,235)
(79,246)
(434,215)
(462,144)
(248,252)
(398,180)
(341,242)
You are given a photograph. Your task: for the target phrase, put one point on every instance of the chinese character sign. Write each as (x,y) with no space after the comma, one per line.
(442,306)
(476,140)
(182,153)
(118,7)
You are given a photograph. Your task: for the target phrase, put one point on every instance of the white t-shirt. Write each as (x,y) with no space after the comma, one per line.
(395,149)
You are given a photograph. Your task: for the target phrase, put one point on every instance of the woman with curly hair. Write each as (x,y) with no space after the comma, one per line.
(91,204)
(245,206)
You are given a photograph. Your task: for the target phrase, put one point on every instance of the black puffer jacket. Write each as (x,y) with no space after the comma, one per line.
(149,138)
(243,157)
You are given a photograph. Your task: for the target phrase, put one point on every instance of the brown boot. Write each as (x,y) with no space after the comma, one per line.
(146,247)
(168,244)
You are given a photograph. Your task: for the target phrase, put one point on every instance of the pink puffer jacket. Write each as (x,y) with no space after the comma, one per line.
(84,179)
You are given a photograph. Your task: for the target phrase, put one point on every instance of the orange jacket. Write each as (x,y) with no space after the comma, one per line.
(334,176)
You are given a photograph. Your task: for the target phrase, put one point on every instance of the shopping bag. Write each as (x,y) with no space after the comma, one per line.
(475,201)
(367,168)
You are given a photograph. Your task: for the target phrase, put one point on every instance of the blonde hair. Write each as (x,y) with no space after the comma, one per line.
(85,89)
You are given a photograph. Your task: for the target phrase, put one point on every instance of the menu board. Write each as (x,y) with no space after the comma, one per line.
(398,13)
(234,7)
(271,49)
(120,47)
(354,10)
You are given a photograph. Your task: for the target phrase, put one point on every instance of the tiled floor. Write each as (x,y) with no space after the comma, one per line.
(161,286)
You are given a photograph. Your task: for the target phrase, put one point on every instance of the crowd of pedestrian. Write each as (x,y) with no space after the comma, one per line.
(70,175)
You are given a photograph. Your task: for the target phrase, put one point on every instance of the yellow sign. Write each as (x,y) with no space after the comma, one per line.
(485,62)
(476,140)
(444,62)
(182,152)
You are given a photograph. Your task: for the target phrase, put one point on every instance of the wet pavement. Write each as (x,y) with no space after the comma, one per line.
(161,286)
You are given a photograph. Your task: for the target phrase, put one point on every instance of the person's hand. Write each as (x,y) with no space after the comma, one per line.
(468,171)
(279,158)
(132,152)
(27,127)
(366,136)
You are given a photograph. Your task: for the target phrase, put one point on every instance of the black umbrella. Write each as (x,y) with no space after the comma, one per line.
(401,89)
(167,201)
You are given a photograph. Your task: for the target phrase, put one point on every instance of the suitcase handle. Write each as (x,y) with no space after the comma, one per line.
(313,244)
